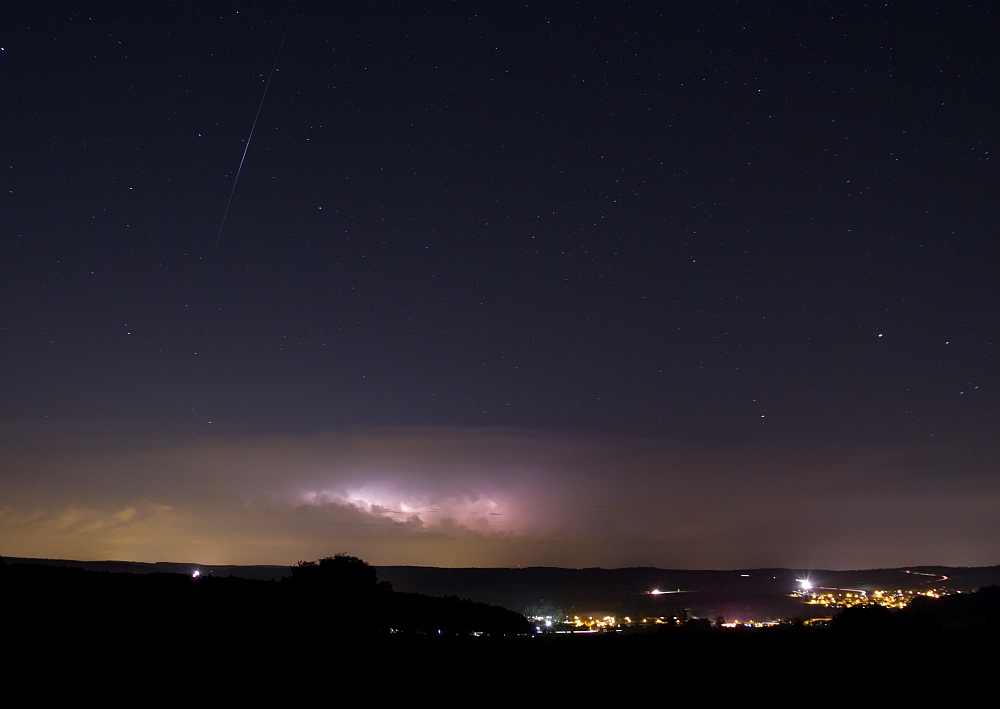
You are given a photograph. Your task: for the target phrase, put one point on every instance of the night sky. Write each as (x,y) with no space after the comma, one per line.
(575,284)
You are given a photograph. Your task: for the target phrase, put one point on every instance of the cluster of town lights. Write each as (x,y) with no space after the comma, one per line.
(590,624)
(827,598)
(839,598)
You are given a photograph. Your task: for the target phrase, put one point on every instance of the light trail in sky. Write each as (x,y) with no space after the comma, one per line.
(245,149)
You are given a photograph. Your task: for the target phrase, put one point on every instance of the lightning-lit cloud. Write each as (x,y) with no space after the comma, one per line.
(488,498)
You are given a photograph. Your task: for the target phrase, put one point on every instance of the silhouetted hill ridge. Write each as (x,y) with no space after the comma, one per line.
(759,593)
(314,598)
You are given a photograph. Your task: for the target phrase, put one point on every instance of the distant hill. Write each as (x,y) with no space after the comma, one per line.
(739,593)
(337,595)
(314,628)
(260,573)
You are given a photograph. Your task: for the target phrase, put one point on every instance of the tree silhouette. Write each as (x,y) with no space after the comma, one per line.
(868,617)
(341,575)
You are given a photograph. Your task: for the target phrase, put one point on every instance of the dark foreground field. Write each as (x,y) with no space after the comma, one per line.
(170,633)
(282,661)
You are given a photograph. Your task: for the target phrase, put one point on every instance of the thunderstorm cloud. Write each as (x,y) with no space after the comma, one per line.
(488,497)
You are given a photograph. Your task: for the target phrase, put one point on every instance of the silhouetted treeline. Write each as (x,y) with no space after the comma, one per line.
(339,594)
(957,611)
(966,610)
(330,621)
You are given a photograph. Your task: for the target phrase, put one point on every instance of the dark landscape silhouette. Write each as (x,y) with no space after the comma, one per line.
(336,613)
(338,595)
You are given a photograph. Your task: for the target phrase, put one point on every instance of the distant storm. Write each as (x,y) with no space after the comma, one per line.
(542,284)
(465,497)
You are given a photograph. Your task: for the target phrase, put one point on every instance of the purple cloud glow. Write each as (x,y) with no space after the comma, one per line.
(488,498)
